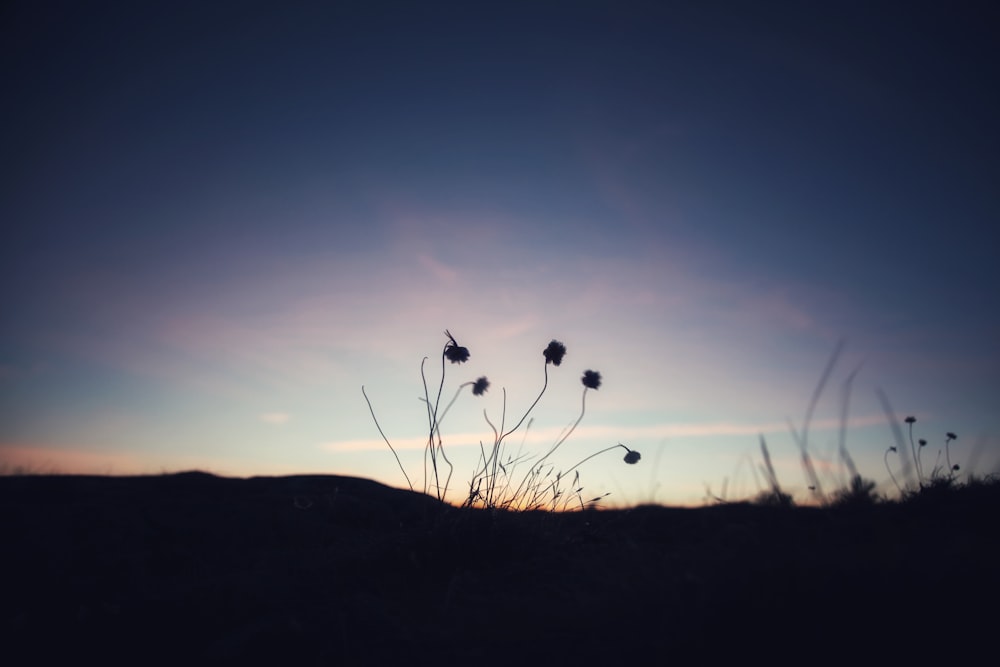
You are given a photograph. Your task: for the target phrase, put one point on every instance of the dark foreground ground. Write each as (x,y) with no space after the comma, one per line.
(323,570)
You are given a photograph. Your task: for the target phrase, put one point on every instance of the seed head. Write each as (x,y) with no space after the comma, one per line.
(454,352)
(480,386)
(922,442)
(910,420)
(632,457)
(554,353)
(591,379)
(951,436)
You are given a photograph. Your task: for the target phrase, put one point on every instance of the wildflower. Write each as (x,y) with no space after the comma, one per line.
(632,456)
(892,449)
(922,442)
(910,420)
(480,386)
(591,379)
(454,352)
(554,353)
(951,436)
(955,467)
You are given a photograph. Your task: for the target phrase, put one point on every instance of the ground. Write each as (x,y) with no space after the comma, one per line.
(315,570)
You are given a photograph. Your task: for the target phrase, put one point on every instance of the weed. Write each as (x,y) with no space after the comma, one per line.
(885,458)
(939,475)
(493,483)
(774,496)
(860,493)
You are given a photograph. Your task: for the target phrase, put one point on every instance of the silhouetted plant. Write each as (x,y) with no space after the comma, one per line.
(949,436)
(860,492)
(773,498)
(491,483)
(434,450)
(916,457)
(940,476)
(541,486)
(893,477)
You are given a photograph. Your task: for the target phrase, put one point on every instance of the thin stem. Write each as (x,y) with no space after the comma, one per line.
(437,430)
(429,449)
(546,384)
(432,421)
(532,474)
(495,455)
(595,454)
(560,441)
(398,462)
(893,477)
(916,459)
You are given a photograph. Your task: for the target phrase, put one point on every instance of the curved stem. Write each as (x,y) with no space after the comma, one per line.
(428,449)
(534,470)
(891,476)
(546,384)
(398,462)
(596,454)
(560,441)
(916,459)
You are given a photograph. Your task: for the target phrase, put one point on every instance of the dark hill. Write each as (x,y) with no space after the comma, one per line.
(314,570)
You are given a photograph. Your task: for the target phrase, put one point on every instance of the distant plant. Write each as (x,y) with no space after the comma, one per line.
(940,475)
(773,496)
(859,493)
(885,458)
(493,483)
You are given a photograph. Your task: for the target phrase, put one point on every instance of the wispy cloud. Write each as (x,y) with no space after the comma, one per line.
(275,418)
(610,433)
(440,271)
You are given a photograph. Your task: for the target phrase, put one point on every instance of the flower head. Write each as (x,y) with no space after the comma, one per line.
(922,442)
(591,379)
(480,386)
(892,449)
(910,420)
(454,352)
(632,456)
(951,436)
(554,353)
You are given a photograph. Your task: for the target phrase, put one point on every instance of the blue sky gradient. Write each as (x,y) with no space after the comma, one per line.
(223,220)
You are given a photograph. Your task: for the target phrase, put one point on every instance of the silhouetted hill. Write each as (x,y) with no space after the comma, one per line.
(313,570)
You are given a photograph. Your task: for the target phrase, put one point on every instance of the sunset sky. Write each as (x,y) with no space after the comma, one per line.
(222,219)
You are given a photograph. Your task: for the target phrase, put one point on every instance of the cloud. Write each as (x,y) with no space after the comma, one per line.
(437,269)
(275,418)
(609,433)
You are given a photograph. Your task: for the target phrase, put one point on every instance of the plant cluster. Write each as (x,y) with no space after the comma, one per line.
(496,482)
(942,474)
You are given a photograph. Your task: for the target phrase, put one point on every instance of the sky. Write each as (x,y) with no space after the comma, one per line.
(223,219)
